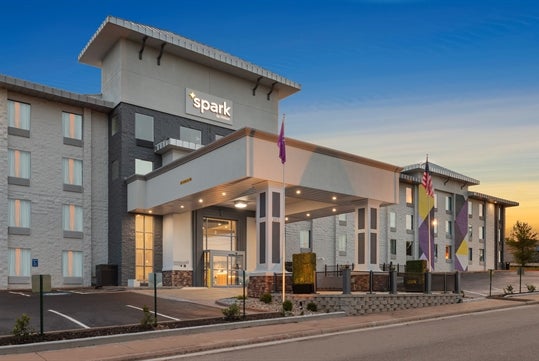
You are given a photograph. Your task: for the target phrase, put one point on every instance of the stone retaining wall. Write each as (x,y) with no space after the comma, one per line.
(360,304)
(177,278)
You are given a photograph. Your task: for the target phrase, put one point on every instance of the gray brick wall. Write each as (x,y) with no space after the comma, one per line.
(46,193)
(3,190)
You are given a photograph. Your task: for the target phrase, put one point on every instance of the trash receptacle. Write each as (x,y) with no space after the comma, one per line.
(106,275)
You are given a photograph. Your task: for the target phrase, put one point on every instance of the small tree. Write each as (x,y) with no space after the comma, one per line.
(522,242)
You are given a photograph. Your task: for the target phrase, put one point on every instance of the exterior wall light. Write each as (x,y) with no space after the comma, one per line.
(240,204)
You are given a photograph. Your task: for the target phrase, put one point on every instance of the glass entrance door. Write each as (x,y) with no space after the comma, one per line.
(223,268)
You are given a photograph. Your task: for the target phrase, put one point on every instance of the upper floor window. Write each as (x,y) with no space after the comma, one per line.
(18,167)
(341,244)
(305,239)
(409,195)
(481,232)
(72,126)
(72,221)
(72,174)
(448,204)
(342,219)
(19,213)
(448,229)
(470,232)
(144,127)
(191,135)
(18,116)
(393,247)
(448,253)
(481,210)
(435,198)
(114,125)
(19,262)
(392,220)
(481,255)
(470,208)
(409,222)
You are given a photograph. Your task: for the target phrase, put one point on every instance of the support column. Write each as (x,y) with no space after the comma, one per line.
(367,236)
(270,230)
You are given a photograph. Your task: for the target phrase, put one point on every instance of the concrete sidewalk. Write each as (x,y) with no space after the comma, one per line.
(170,342)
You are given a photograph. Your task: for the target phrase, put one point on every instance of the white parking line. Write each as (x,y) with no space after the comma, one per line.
(70,319)
(19,293)
(158,314)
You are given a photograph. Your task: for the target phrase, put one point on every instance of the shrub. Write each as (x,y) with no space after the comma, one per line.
(241,297)
(266,298)
(148,318)
(22,327)
(287,306)
(508,289)
(232,312)
(311,306)
(531,288)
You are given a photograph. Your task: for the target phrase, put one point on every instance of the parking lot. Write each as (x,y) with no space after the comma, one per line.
(64,310)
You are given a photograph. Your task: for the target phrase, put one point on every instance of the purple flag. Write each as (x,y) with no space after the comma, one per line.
(281,144)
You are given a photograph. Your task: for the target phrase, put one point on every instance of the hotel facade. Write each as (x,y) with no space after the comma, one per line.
(174,169)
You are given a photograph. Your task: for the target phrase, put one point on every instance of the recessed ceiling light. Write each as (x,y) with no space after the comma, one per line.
(334,198)
(334,209)
(200,200)
(308,214)
(298,191)
(240,204)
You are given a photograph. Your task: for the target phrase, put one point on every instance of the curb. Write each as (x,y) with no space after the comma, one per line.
(103,340)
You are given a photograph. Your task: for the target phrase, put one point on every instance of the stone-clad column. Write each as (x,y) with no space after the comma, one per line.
(367,236)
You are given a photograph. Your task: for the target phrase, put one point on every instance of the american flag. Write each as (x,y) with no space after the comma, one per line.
(427,180)
(281,144)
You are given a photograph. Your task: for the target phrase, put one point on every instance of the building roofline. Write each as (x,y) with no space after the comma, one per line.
(54,94)
(441,171)
(492,199)
(113,29)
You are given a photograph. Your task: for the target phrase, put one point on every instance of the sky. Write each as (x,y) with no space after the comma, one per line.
(391,80)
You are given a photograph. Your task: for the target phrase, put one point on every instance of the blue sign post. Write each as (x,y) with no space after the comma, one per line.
(35,262)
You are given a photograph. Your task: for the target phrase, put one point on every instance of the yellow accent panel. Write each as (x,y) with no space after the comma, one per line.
(463,249)
(426,203)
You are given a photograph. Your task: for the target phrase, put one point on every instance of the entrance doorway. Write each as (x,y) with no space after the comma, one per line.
(223,263)
(223,268)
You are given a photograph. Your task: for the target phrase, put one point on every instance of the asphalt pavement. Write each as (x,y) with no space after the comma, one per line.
(163,343)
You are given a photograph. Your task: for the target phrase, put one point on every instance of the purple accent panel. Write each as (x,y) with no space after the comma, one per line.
(461,225)
(423,236)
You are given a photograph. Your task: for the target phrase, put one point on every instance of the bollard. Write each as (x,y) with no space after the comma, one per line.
(393,282)
(155,299)
(428,282)
(41,305)
(346,281)
(457,282)
(243,294)
(490,283)
(371,281)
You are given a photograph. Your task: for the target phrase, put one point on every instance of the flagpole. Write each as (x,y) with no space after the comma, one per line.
(282,155)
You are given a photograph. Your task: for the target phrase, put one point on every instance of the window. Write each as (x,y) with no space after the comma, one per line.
(143,167)
(72,125)
(342,219)
(448,228)
(409,222)
(144,127)
(435,197)
(305,239)
(114,125)
(448,204)
(72,220)
(470,209)
(19,262)
(435,251)
(18,115)
(409,196)
(392,221)
(470,254)
(72,264)
(115,169)
(435,226)
(481,255)
(393,247)
(19,166)
(409,248)
(481,210)
(143,246)
(191,135)
(470,232)
(481,233)
(72,174)
(341,244)
(448,253)
(19,213)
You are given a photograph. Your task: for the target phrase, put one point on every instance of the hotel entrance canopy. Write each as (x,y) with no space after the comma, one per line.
(318,181)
